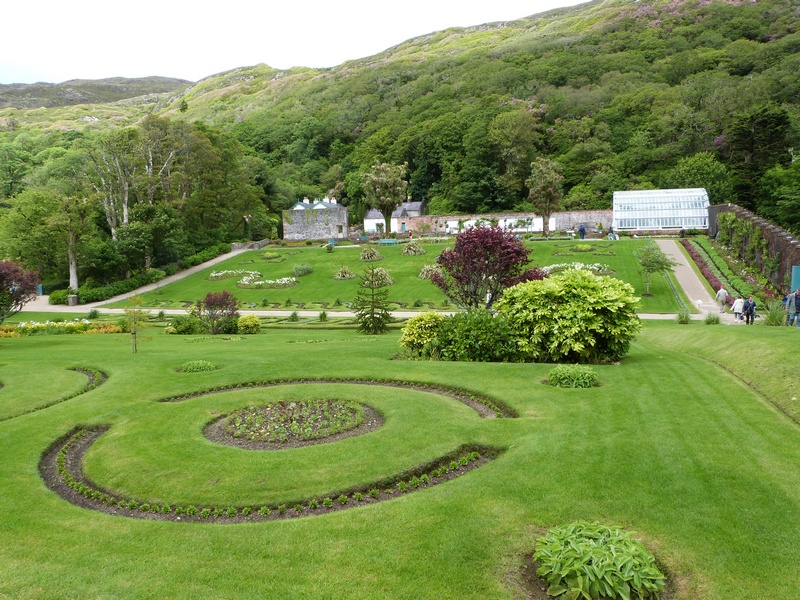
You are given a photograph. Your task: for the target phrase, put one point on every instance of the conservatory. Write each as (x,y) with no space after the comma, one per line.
(661,209)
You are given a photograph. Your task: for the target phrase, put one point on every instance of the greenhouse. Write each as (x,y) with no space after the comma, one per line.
(661,209)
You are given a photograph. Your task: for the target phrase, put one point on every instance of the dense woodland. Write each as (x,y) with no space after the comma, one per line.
(622,95)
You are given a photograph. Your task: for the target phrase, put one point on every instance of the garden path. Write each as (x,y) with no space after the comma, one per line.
(694,287)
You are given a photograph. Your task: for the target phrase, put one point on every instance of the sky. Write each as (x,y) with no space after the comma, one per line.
(57,40)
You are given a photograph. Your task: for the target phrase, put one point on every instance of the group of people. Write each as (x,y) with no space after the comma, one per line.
(743,310)
(792,305)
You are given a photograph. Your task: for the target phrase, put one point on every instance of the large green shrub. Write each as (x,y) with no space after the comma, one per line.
(582,560)
(419,331)
(249,324)
(574,316)
(478,336)
(187,325)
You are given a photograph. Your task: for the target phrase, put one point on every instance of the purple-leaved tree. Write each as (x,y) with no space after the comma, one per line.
(218,311)
(17,287)
(483,262)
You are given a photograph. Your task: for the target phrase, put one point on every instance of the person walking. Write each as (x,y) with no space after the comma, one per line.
(749,310)
(582,231)
(722,298)
(793,308)
(737,308)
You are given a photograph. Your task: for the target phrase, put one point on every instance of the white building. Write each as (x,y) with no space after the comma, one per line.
(661,209)
(374,221)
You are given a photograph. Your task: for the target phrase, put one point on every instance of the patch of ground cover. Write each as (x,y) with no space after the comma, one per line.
(669,446)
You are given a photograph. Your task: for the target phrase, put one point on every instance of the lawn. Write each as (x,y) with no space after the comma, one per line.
(676,445)
(320,291)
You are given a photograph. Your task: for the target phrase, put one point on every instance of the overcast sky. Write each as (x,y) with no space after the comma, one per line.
(58,40)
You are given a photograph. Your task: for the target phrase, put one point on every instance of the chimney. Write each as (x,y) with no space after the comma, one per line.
(306,201)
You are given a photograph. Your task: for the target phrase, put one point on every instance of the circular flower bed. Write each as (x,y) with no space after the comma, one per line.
(291,422)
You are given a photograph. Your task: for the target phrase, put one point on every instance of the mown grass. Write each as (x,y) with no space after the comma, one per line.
(701,465)
(320,291)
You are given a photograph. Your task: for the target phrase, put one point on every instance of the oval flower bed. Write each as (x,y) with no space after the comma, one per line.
(287,422)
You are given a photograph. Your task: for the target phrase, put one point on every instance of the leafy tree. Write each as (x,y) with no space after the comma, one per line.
(218,311)
(17,288)
(372,302)
(572,316)
(482,263)
(384,188)
(652,260)
(545,189)
(705,171)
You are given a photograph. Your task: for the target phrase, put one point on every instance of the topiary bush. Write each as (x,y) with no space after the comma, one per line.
(344,273)
(582,560)
(573,316)
(249,324)
(413,248)
(572,376)
(369,254)
(419,331)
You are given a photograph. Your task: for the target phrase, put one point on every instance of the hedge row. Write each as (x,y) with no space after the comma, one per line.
(87,295)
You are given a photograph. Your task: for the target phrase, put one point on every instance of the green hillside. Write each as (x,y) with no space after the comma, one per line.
(650,94)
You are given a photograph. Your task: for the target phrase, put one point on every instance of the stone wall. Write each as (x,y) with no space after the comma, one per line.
(522,222)
(779,243)
(316,224)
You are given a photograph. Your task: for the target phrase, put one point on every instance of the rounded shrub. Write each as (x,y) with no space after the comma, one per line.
(370,254)
(583,560)
(413,248)
(249,324)
(572,376)
(419,331)
(574,316)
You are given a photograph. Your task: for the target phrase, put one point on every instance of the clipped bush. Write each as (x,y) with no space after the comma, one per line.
(302,269)
(197,366)
(370,254)
(413,248)
(249,324)
(572,376)
(419,331)
(582,560)
(59,296)
(428,271)
(476,336)
(573,316)
(344,273)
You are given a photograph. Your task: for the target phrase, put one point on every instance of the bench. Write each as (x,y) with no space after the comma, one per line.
(387,242)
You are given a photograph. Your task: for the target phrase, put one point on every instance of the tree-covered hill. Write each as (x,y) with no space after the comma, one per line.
(86,91)
(621,94)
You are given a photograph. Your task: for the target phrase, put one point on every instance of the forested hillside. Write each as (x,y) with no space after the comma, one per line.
(623,95)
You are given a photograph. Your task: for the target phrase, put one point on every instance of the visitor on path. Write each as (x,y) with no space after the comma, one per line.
(749,310)
(738,307)
(582,231)
(793,307)
(722,298)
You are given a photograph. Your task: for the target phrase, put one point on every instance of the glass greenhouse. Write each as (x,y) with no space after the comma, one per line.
(661,209)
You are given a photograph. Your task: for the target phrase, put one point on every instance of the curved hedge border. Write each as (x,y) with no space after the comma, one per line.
(61,467)
(96,378)
(484,405)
